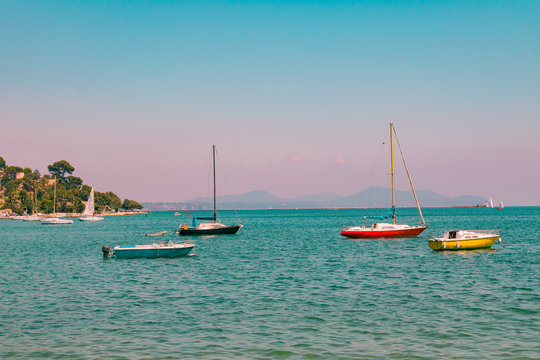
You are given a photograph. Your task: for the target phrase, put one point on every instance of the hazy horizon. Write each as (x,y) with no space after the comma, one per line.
(296,96)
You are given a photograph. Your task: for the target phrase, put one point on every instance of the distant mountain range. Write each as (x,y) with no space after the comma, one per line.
(373,197)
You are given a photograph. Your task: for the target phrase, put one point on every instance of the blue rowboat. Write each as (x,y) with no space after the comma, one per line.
(163,249)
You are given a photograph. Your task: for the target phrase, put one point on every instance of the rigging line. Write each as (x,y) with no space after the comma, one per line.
(218,157)
(205,171)
(377,156)
(209,185)
(388,173)
(376,161)
(409,176)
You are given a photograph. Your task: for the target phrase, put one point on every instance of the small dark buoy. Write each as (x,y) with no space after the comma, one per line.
(106,250)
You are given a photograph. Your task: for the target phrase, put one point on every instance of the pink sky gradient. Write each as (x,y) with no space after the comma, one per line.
(296,98)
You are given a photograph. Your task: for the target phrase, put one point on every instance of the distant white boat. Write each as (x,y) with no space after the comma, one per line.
(31,218)
(35,215)
(161,233)
(501,206)
(491,202)
(55,220)
(88,213)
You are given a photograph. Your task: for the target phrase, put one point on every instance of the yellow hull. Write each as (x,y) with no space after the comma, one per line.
(464,244)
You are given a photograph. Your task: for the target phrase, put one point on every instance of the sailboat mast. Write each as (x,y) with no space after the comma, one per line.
(54,203)
(214,170)
(392,172)
(410,180)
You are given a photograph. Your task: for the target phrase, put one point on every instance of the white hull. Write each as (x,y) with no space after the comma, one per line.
(88,213)
(91,218)
(56,221)
(165,249)
(31,218)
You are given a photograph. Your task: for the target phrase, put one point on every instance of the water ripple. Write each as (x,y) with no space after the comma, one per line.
(287,286)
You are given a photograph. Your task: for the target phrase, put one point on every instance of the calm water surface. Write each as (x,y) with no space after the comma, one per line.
(286,286)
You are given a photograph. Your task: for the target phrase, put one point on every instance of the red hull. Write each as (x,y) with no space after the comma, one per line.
(368,233)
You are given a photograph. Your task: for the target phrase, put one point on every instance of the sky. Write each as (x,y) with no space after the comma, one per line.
(297,96)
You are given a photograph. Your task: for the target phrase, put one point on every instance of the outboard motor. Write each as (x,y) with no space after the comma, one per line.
(106,249)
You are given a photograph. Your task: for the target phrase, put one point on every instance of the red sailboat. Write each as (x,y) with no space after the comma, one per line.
(389,230)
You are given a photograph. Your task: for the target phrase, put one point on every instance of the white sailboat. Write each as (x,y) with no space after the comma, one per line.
(35,214)
(55,220)
(88,214)
(501,206)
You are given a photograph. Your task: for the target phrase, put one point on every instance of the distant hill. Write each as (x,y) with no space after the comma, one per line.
(373,197)
(252,196)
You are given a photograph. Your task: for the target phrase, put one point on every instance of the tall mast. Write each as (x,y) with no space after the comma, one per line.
(392,170)
(410,180)
(214,170)
(35,200)
(54,203)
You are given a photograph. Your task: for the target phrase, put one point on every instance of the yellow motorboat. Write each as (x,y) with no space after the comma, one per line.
(465,240)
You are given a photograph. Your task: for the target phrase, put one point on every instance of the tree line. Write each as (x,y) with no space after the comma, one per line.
(25,190)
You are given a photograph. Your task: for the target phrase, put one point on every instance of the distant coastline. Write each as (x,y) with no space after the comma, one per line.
(5,214)
(370,198)
(26,191)
(470,206)
(184,212)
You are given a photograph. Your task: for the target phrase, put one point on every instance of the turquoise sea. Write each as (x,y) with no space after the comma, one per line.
(286,286)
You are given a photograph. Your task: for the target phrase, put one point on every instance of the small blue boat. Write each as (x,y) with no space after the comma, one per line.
(162,249)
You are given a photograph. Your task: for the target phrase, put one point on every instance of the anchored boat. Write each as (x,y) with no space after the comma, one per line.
(387,230)
(465,240)
(31,218)
(383,230)
(35,215)
(214,227)
(88,214)
(165,248)
(161,233)
(55,220)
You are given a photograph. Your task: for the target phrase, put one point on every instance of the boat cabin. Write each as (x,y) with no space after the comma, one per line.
(465,234)
(387,226)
